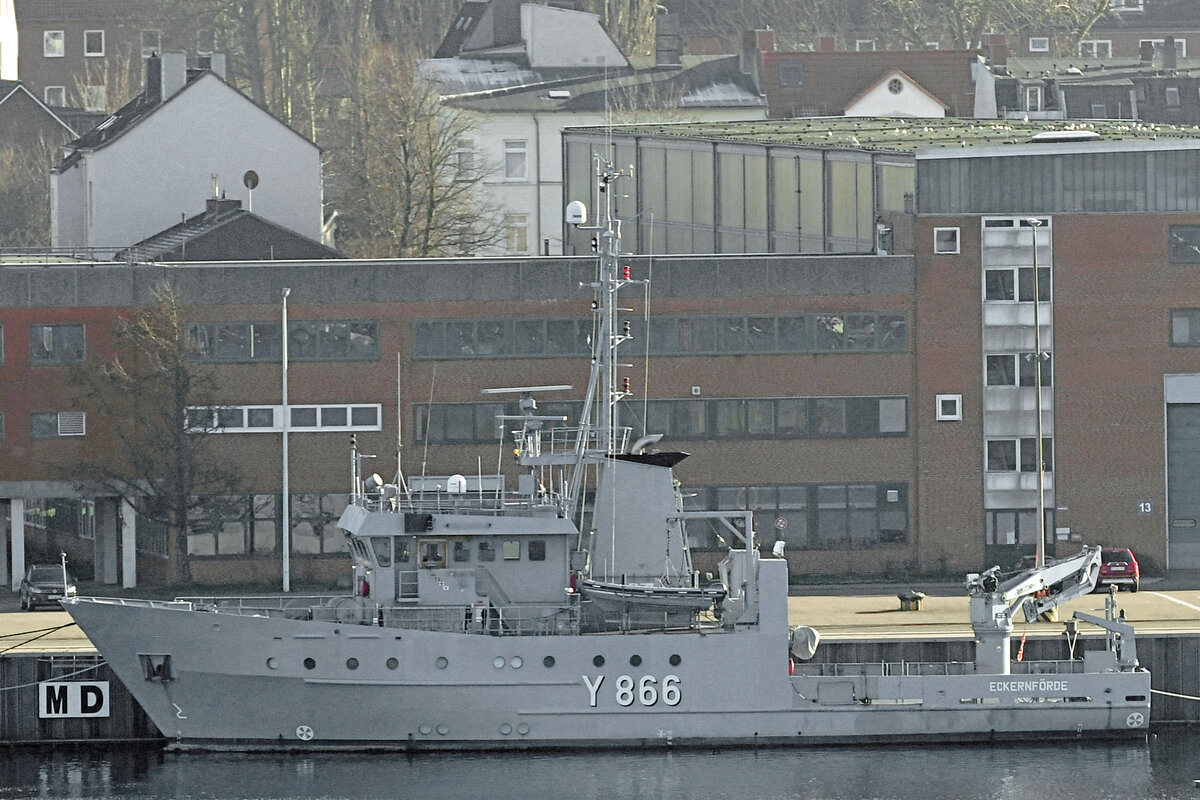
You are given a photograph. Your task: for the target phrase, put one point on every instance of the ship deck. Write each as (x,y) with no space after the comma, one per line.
(838,613)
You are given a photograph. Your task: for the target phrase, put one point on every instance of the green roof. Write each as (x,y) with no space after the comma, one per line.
(905,135)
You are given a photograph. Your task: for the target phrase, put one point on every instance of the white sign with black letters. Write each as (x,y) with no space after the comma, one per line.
(72,699)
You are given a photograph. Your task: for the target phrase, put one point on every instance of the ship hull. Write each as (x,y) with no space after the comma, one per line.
(251,682)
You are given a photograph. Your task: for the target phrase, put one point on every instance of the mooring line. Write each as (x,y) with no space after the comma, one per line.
(56,677)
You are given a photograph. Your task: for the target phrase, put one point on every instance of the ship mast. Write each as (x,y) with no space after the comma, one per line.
(599,425)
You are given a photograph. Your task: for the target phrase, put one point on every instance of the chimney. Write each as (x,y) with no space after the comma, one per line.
(174,74)
(153,79)
(668,44)
(1146,54)
(1170,58)
(214,62)
(216,206)
(826,44)
(997,49)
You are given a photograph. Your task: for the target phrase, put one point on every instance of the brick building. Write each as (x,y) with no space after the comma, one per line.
(879,413)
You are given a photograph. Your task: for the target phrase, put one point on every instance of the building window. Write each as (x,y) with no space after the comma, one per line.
(1017,369)
(1,427)
(308,340)
(1096,48)
(95,98)
(1172,97)
(1099,111)
(1185,327)
(516,233)
(1,344)
(791,74)
(1128,5)
(93,43)
(1033,98)
(1180,46)
(464,159)
(55,424)
(1019,455)
(55,96)
(1011,283)
(807,516)
(56,344)
(945,241)
(53,44)
(269,419)
(1183,244)
(1039,44)
(667,335)
(864,45)
(949,407)
(516,159)
(240,524)
(151,43)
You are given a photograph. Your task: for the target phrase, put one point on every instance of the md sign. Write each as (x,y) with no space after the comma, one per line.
(75,699)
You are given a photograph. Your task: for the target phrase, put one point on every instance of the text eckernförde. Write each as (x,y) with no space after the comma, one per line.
(1041,685)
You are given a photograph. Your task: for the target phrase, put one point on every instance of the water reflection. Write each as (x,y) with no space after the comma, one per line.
(1161,768)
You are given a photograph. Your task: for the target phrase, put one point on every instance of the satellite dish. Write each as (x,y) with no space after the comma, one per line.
(250,179)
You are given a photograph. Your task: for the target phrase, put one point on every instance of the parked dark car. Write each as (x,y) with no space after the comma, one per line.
(1118,567)
(44,586)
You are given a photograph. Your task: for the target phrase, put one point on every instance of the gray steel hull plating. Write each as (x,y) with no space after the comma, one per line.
(257,682)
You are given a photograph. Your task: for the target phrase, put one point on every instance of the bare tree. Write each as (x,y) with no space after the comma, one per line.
(159,458)
(25,195)
(409,181)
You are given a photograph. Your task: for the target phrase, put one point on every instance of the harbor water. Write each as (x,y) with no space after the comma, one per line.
(1164,766)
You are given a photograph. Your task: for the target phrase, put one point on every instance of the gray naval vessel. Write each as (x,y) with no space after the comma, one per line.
(485,615)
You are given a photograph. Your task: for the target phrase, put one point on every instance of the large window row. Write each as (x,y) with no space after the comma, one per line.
(1185,327)
(806,516)
(269,419)
(252,524)
(308,340)
(732,418)
(667,335)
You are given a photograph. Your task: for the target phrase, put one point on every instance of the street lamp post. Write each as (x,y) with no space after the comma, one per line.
(286,499)
(1040,554)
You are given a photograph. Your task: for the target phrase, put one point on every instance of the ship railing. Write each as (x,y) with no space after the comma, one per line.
(566,440)
(136,602)
(920,668)
(260,605)
(490,504)
(493,621)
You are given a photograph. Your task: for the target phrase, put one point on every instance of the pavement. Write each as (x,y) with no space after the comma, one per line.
(838,611)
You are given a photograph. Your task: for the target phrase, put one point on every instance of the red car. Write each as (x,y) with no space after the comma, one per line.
(1119,568)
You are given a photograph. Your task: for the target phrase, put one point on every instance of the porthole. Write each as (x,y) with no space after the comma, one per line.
(272,663)
(310,664)
(598,661)
(498,662)
(635,661)
(443,729)
(425,729)
(517,662)
(392,663)
(675,659)
(523,728)
(441,662)
(351,663)
(548,662)
(505,728)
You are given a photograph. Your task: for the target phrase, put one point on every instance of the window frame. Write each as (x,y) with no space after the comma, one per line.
(54,355)
(953,414)
(514,148)
(88,52)
(54,44)
(61,91)
(156,48)
(1042,44)
(941,247)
